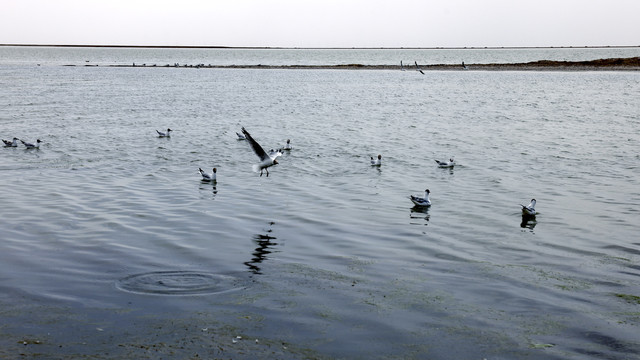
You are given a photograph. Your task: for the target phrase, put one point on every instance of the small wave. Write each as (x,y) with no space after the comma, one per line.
(178,283)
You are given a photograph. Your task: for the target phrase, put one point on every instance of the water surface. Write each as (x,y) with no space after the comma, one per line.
(113,247)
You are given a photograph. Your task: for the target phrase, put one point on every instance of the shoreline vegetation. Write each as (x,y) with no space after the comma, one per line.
(612,64)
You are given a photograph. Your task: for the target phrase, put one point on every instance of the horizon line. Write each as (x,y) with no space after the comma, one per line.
(318,48)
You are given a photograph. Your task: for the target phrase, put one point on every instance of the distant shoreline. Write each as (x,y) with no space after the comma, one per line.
(613,64)
(319,48)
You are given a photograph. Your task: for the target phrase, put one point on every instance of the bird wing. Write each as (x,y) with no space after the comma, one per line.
(275,153)
(255,146)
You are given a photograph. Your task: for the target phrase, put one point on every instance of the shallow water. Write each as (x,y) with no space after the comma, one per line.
(113,247)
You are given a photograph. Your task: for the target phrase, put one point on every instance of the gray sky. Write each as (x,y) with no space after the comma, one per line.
(322,23)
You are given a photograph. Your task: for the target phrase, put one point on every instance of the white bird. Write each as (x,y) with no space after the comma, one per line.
(446,164)
(266,160)
(421,201)
(164,134)
(32,146)
(376,162)
(208,176)
(240,136)
(529,209)
(418,68)
(13,143)
(287,146)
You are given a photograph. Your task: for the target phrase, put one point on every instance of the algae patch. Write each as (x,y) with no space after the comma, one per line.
(632,299)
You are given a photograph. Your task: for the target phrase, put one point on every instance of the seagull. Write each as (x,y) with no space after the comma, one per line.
(164,134)
(464,66)
(266,160)
(207,176)
(240,136)
(32,146)
(446,164)
(529,209)
(13,143)
(418,68)
(401,66)
(421,201)
(288,145)
(376,162)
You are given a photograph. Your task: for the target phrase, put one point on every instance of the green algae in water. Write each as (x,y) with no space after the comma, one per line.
(632,299)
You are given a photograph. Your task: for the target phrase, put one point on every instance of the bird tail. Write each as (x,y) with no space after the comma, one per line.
(22,141)
(201,171)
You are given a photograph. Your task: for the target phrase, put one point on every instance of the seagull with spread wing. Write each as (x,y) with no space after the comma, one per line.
(266,160)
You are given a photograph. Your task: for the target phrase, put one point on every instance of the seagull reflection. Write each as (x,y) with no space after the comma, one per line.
(420,212)
(265,245)
(204,185)
(528,221)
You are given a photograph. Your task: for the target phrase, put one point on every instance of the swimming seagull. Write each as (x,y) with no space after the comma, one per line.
(421,201)
(446,164)
(208,176)
(529,209)
(240,136)
(32,146)
(287,146)
(164,134)
(266,160)
(13,143)
(376,162)
(418,68)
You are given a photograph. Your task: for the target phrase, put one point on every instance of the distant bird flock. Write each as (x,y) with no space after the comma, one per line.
(269,159)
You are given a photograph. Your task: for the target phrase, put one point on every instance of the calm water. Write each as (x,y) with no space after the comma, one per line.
(119,56)
(112,247)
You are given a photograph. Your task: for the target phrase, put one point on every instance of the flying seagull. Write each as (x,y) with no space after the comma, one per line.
(266,160)
(418,68)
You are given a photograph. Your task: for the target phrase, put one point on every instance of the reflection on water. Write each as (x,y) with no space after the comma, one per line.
(528,221)
(420,213)
(265,245)
(206,185)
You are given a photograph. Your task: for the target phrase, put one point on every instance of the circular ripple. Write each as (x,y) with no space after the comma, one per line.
(178,283)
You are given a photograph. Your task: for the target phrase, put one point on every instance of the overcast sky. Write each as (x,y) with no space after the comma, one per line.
(322,23)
